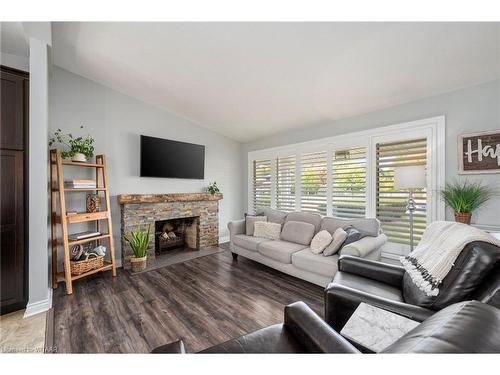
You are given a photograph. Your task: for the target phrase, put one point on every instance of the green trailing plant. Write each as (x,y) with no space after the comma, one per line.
(139,241)
(466,197)
(75,145)
(213,188)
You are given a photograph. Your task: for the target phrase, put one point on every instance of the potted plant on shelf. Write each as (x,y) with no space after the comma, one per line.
(139,242)
(79,149)
(466,197)
(213,188)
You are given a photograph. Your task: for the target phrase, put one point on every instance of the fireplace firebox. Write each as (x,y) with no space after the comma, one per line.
(176,233)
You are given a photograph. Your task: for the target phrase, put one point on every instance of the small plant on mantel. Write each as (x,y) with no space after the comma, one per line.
(78,148)
(213,188)
(466,197)
(139,242)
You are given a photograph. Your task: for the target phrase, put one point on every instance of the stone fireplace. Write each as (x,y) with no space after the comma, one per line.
(195,216)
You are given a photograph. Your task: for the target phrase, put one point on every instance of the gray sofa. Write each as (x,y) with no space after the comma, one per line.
(291,256)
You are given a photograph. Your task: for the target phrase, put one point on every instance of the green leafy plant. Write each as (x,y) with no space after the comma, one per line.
(466,197)
(75,145)
(213,188)
(139,241)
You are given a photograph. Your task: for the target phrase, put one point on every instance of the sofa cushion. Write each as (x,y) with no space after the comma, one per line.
(306,217)
(264,229)
(315,263)
(279,250)
(273,216)
(367,227)
(298,232)
(248,242)
(360,284)
(250,220)
(320,241)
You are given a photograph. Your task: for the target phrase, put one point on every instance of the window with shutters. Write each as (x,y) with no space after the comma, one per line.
(349,182)
(285,183)
(313,182)
(391,202)
(261,183)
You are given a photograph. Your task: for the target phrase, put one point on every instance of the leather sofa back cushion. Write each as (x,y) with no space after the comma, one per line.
(306,217)
(298,232)
(367,227)
(273,216)
(467,327)
(471,268)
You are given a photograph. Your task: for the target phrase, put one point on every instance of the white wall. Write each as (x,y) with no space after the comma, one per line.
(15,61)
(468,110)
(116,121)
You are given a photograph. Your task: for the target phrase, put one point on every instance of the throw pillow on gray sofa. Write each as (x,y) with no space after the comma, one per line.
(249,223)
(264,229)
(339,237)
(298,232)
(353,235)
(320,241)
(273,216)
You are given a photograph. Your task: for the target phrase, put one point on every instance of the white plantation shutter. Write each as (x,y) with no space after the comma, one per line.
(313,182)
(261,183)
(349,182)
(391,203)
(285,183)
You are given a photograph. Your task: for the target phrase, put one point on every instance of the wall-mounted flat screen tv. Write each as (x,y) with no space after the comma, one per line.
(171,159)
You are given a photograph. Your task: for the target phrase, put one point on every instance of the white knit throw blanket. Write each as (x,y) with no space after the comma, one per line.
(437,251)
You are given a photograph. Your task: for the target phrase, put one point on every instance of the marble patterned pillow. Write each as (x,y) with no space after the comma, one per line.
(320,241)
(264,229)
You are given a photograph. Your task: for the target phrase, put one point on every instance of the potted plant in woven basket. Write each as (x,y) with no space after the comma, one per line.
(139,242)
(466,197)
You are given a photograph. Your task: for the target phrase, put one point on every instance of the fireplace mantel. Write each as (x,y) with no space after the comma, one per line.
(163,198)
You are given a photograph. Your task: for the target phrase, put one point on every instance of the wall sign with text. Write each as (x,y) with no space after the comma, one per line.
(479,152)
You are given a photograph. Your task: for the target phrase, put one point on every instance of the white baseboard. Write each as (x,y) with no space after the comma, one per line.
(223,239)
(39,306)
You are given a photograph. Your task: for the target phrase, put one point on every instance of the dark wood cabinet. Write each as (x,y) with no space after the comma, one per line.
(13,192)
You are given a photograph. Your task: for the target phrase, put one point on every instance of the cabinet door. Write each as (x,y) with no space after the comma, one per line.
(12,255)
(12,113)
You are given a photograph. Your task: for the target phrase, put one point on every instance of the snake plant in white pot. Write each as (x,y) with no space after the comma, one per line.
(139,242)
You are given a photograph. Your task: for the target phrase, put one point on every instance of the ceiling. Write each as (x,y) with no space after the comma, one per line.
(13,39)
(250,80)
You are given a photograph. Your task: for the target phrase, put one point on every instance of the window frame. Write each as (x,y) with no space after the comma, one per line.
(433,129)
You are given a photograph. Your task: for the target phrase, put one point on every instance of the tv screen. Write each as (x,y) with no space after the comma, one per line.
(171,159)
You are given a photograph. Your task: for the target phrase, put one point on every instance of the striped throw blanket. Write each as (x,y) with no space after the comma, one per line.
(437,251)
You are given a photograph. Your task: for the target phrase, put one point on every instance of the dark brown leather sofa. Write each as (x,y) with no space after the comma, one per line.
(474,276)
(464,327)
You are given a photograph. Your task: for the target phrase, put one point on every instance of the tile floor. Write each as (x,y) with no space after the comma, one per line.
(22,335)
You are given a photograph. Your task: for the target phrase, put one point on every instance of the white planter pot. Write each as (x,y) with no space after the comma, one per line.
(79,157)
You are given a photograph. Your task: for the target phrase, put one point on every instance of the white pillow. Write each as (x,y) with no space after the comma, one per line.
(339,236)
(320,241)
(267,230)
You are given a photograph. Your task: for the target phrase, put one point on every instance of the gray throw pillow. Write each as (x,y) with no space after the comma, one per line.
(250,220)
(353,235)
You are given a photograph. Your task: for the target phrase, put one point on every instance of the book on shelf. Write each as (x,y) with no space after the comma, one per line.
(80,184)
(71,213)
(83,235)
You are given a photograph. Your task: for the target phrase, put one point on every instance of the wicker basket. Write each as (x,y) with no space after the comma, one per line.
(463,217)
(91,263)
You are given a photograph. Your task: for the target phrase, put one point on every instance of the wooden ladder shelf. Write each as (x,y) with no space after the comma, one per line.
(58,197)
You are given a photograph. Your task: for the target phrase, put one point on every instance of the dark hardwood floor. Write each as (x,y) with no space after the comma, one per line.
(204,301)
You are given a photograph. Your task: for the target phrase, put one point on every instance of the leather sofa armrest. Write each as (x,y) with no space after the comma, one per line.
(312,332)
(341,302)
(386,273)
(176,347)
(364,246)
(236,227)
